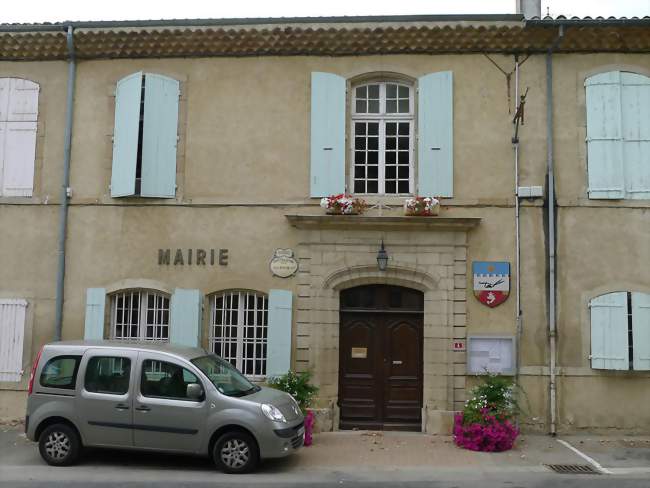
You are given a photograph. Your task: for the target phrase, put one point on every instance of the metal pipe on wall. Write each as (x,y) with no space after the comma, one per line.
(65,188)
(515,143)
(551,231)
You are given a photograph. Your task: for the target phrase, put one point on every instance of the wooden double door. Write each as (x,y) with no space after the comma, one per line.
(380,359)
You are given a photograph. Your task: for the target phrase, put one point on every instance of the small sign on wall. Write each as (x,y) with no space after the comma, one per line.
(359,353)
(283,264)
(458,346)
(491,282)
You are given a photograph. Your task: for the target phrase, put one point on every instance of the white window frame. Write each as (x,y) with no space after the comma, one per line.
(382,118)
(239,341)
(143,325)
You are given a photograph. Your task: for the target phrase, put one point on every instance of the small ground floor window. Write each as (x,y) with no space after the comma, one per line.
(140,315)
(238,330)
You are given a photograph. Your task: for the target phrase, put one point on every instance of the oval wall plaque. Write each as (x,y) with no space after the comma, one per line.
(283,264)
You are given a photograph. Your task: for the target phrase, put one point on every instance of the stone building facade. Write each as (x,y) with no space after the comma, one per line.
(241,187)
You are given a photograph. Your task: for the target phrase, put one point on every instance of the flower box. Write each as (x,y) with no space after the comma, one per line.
(343,205)
(422,206)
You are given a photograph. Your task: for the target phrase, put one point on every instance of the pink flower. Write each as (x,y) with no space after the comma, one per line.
(492,436)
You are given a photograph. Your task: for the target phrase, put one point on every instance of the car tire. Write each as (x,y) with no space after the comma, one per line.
(59,445)
(236,452)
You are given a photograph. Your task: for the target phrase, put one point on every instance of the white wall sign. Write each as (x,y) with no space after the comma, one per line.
(283,264)
(495,354)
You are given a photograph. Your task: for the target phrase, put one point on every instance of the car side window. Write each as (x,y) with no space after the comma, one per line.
(161,379)
(60,372)
(108,374)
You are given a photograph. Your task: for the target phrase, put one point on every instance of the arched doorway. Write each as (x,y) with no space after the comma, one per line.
(380,358)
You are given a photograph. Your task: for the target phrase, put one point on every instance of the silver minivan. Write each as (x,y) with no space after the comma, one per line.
(155,397)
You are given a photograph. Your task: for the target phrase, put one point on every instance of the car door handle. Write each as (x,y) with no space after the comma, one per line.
(143,408)
(121,406)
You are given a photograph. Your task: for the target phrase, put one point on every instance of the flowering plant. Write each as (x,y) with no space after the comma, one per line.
(343,204)
(422,206)
(486,421)
(492,435)
(299,386)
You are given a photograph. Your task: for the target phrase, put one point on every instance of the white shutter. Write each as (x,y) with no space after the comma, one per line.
(3,138)
(23,101)
(12,332)
(641,331)
(19,158)
(609,336)
(18,116)
(4,99)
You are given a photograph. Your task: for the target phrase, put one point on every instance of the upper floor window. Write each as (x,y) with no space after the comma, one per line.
(382,141)
(145,136)
(140,315)
(618,135)
(620,331)
(239,330)
(18,119)
(382,135)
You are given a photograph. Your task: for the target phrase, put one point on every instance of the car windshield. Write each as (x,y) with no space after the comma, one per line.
(225,376)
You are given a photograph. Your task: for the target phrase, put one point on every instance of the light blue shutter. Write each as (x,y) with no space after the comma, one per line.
(327,134)
(94,322)
(278,350)
(635,100)
(159,140)
(609,344)
(436,135)
(185,323)
(125,135)
(604,136)
(641,331)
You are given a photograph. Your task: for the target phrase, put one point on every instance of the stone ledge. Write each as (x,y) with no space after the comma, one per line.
(362,222)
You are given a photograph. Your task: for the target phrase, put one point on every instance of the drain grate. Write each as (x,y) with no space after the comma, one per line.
(573,468)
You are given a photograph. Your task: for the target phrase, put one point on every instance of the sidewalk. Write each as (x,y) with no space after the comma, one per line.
(385,449)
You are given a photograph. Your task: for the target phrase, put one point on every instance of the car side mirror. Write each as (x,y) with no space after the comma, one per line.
(194,392)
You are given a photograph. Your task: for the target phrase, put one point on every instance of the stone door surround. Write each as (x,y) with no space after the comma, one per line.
(430,255)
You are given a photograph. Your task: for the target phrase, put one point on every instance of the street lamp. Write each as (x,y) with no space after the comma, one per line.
(382,257)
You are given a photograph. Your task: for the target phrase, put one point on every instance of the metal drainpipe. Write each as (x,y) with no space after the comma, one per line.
(551,229)
(515,144)
(65,189)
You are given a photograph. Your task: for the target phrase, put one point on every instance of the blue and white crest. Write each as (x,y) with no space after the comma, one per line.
(491,281)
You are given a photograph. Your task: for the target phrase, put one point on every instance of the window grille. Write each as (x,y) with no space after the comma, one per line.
(140,316)
(238,330)
(382,139)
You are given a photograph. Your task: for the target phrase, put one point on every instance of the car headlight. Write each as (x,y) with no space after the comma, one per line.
(272,413)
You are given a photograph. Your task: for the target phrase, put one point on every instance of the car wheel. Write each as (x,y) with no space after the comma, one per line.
(236,453)
(59,445)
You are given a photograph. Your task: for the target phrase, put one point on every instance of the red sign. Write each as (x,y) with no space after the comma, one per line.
(459,346)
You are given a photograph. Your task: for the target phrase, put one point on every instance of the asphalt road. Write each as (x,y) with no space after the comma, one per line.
(520,481)
(108,468)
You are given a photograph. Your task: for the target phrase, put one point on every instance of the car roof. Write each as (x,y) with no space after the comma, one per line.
(184,352)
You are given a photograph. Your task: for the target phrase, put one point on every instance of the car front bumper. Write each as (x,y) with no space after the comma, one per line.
(283,442)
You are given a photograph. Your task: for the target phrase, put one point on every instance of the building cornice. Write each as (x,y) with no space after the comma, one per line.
(363,222)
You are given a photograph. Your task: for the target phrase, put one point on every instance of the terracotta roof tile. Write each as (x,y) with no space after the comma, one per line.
(336,39)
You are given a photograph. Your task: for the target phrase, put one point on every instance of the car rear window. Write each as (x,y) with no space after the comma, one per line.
(60,372)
